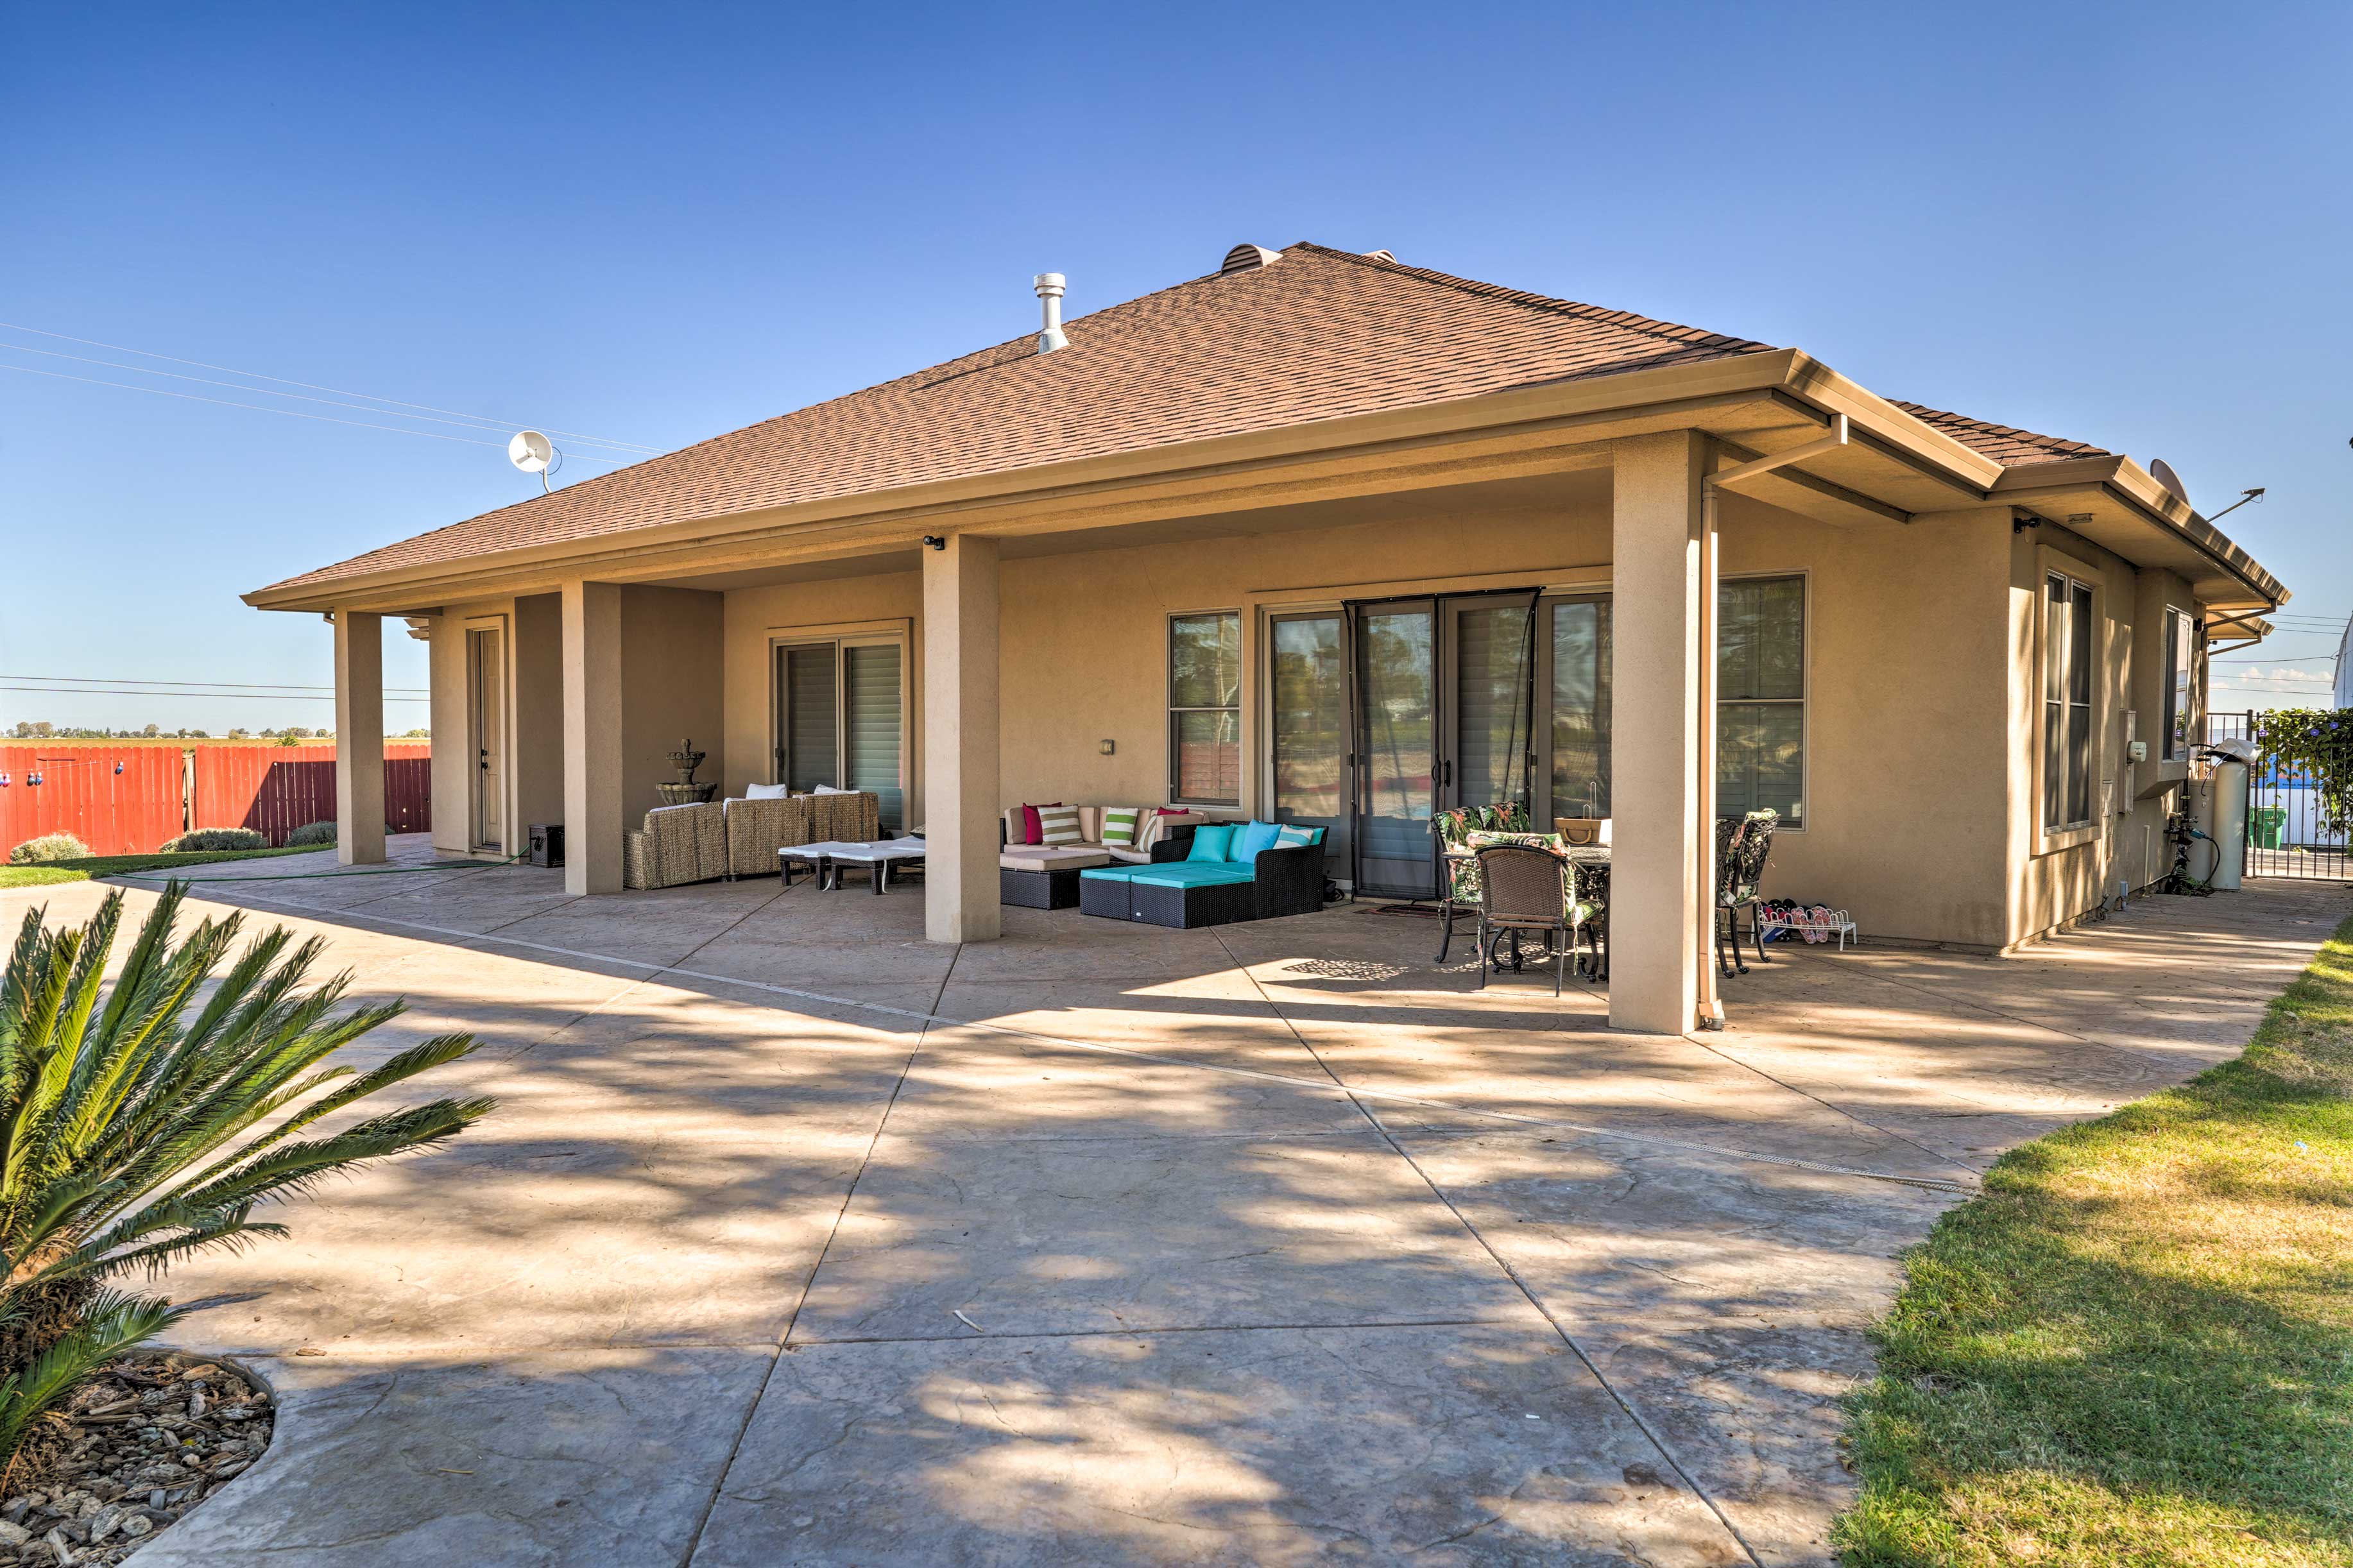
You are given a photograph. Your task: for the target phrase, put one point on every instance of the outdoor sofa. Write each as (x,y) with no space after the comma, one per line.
(681,844)
(1230,872)
(1036,875)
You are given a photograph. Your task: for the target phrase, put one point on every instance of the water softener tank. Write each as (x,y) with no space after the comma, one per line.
(2222,812)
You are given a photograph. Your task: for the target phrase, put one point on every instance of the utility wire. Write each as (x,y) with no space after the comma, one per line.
(463,422)
(207,696)
(340,392)
(289,413)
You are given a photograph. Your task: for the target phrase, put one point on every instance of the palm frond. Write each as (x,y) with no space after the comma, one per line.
(112,1323)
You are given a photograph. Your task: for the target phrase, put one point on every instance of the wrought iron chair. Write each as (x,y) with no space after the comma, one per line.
(1742,843)
(1525,890)
(1458,875)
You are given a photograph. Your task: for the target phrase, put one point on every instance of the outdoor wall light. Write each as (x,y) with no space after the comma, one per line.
(933,541)
(1107,748)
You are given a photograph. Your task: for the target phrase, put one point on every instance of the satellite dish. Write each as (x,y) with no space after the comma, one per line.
(2158,469)
(534,453)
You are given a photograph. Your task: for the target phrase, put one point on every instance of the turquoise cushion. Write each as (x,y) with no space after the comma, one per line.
(1189,873)
(1211,842)
(1251,837)
(1111,873)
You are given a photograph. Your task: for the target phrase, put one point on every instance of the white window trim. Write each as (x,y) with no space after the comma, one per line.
(2081,574)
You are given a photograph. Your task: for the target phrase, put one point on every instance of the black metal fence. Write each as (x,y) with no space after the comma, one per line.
(2285,836)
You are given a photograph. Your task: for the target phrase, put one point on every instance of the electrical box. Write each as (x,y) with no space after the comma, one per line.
(2136,750)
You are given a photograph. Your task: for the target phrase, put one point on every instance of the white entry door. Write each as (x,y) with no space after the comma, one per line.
(486,678)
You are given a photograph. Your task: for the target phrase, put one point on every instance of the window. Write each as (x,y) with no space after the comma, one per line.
(1205,714)
(838,719)
(2180,639)
(1760,698)
(1581,707)
(2068,647)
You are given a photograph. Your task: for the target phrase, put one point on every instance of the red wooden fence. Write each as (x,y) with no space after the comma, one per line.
(127,800)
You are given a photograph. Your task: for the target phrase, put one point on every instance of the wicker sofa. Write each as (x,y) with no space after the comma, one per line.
(1205,888)
(756,829)
(1046,877)
(678,844)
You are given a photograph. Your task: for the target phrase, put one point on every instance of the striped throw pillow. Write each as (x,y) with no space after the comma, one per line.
(1119,825)
(1292,837)
(1057,825)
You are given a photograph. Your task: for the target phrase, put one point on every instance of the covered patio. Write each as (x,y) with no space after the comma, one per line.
(800,1237)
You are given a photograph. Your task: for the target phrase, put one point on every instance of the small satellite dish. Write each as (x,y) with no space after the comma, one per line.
(2158,469)
(532,452)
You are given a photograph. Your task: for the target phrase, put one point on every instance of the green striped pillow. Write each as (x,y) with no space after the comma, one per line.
(1119,825)
(1057,825)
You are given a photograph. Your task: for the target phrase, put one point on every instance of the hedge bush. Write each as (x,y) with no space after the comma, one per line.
(47,848)
(213,839)
(311,833)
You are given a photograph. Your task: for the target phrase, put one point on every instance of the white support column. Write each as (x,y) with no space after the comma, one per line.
(960,742)
(359,737)
(1658,844)
(592,738)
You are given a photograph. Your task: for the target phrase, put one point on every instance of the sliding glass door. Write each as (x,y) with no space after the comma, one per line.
(1308,679)
(841,720)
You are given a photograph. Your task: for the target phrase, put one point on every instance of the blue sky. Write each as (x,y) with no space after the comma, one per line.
(2125,225)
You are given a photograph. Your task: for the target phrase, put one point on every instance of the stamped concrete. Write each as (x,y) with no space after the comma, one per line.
(797,1240)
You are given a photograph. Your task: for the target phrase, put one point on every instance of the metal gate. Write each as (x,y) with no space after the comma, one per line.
(2285,836)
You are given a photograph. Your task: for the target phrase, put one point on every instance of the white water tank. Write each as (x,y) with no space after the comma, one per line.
(2219,810)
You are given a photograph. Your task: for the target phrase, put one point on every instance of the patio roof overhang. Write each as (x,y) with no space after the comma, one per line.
(1895,468)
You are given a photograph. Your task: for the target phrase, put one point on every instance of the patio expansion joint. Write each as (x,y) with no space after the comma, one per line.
(1839,1111)
(809,1281)
(1593,1368)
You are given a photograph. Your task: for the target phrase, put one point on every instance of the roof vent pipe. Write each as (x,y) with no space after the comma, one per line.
(1050,295)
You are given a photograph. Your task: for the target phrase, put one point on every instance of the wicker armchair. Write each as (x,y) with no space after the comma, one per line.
(678,844)
(1525,889)
(853,817)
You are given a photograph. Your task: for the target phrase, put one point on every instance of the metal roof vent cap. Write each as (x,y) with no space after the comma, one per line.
(1242,258)
(1050,336)
(1387,255)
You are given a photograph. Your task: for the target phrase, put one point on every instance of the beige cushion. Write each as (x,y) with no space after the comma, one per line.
(1057,825)
(1129,857)
(1155,825)
(1038,857)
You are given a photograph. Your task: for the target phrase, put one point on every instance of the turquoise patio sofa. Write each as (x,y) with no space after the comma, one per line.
(1234,871)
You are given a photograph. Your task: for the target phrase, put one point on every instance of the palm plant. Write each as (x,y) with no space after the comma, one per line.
(133,1134)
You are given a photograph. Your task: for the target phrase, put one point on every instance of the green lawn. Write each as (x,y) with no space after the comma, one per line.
(2137,1347)
(83,868)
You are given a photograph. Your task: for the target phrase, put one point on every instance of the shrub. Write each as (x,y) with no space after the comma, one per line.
(47,848)
(311,833)
(136,1135)
(216,838)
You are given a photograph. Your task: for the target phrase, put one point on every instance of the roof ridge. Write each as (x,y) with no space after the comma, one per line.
(1650,326)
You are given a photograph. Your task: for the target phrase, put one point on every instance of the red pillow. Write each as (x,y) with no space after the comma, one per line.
(1031,832)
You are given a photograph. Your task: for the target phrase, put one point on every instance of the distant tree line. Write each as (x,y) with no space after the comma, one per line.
(291,735)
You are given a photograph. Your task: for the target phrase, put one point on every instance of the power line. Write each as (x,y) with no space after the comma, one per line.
(465,423)
(207,696)
(340,392)
(167,680)
(289,413)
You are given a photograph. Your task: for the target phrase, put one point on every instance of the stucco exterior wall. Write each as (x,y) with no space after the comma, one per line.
(538,764)
(671,689)
(1907,710)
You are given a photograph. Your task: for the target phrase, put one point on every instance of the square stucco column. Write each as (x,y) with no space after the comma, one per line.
(592,738)
(960,742)
(359,737)
(1657,853)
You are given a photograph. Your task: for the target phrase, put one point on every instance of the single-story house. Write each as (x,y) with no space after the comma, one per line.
(1326,537)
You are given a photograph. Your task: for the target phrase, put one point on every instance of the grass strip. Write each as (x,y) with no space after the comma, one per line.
(83,868)
(2136,1346)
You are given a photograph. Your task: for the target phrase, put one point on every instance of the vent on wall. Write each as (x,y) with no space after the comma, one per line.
(1242,258)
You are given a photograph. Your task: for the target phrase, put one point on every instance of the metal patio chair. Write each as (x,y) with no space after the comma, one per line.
(1742,843)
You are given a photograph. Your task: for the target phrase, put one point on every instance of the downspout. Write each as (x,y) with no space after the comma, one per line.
(1711,1001)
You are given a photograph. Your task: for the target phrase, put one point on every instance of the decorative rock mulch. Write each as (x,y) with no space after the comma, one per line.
(145,1441)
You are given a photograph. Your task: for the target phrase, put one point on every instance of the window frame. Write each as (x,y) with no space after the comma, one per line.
(843,637)
(1804,578)
(1169,733)
(2177,682)
(2066,831)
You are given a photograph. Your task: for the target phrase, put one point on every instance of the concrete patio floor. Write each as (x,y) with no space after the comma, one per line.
(797,1240)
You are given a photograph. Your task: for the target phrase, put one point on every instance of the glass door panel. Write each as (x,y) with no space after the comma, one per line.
(1398,679)
(870,680)
(1580,775)
(808,725)
(1310,712)
(1489,657)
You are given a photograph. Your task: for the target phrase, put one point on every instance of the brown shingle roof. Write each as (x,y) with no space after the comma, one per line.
(1318,334)
(2005,444)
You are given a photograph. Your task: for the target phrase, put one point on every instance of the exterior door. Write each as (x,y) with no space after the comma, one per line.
(1397,747)
(486,672)
(1308,681)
